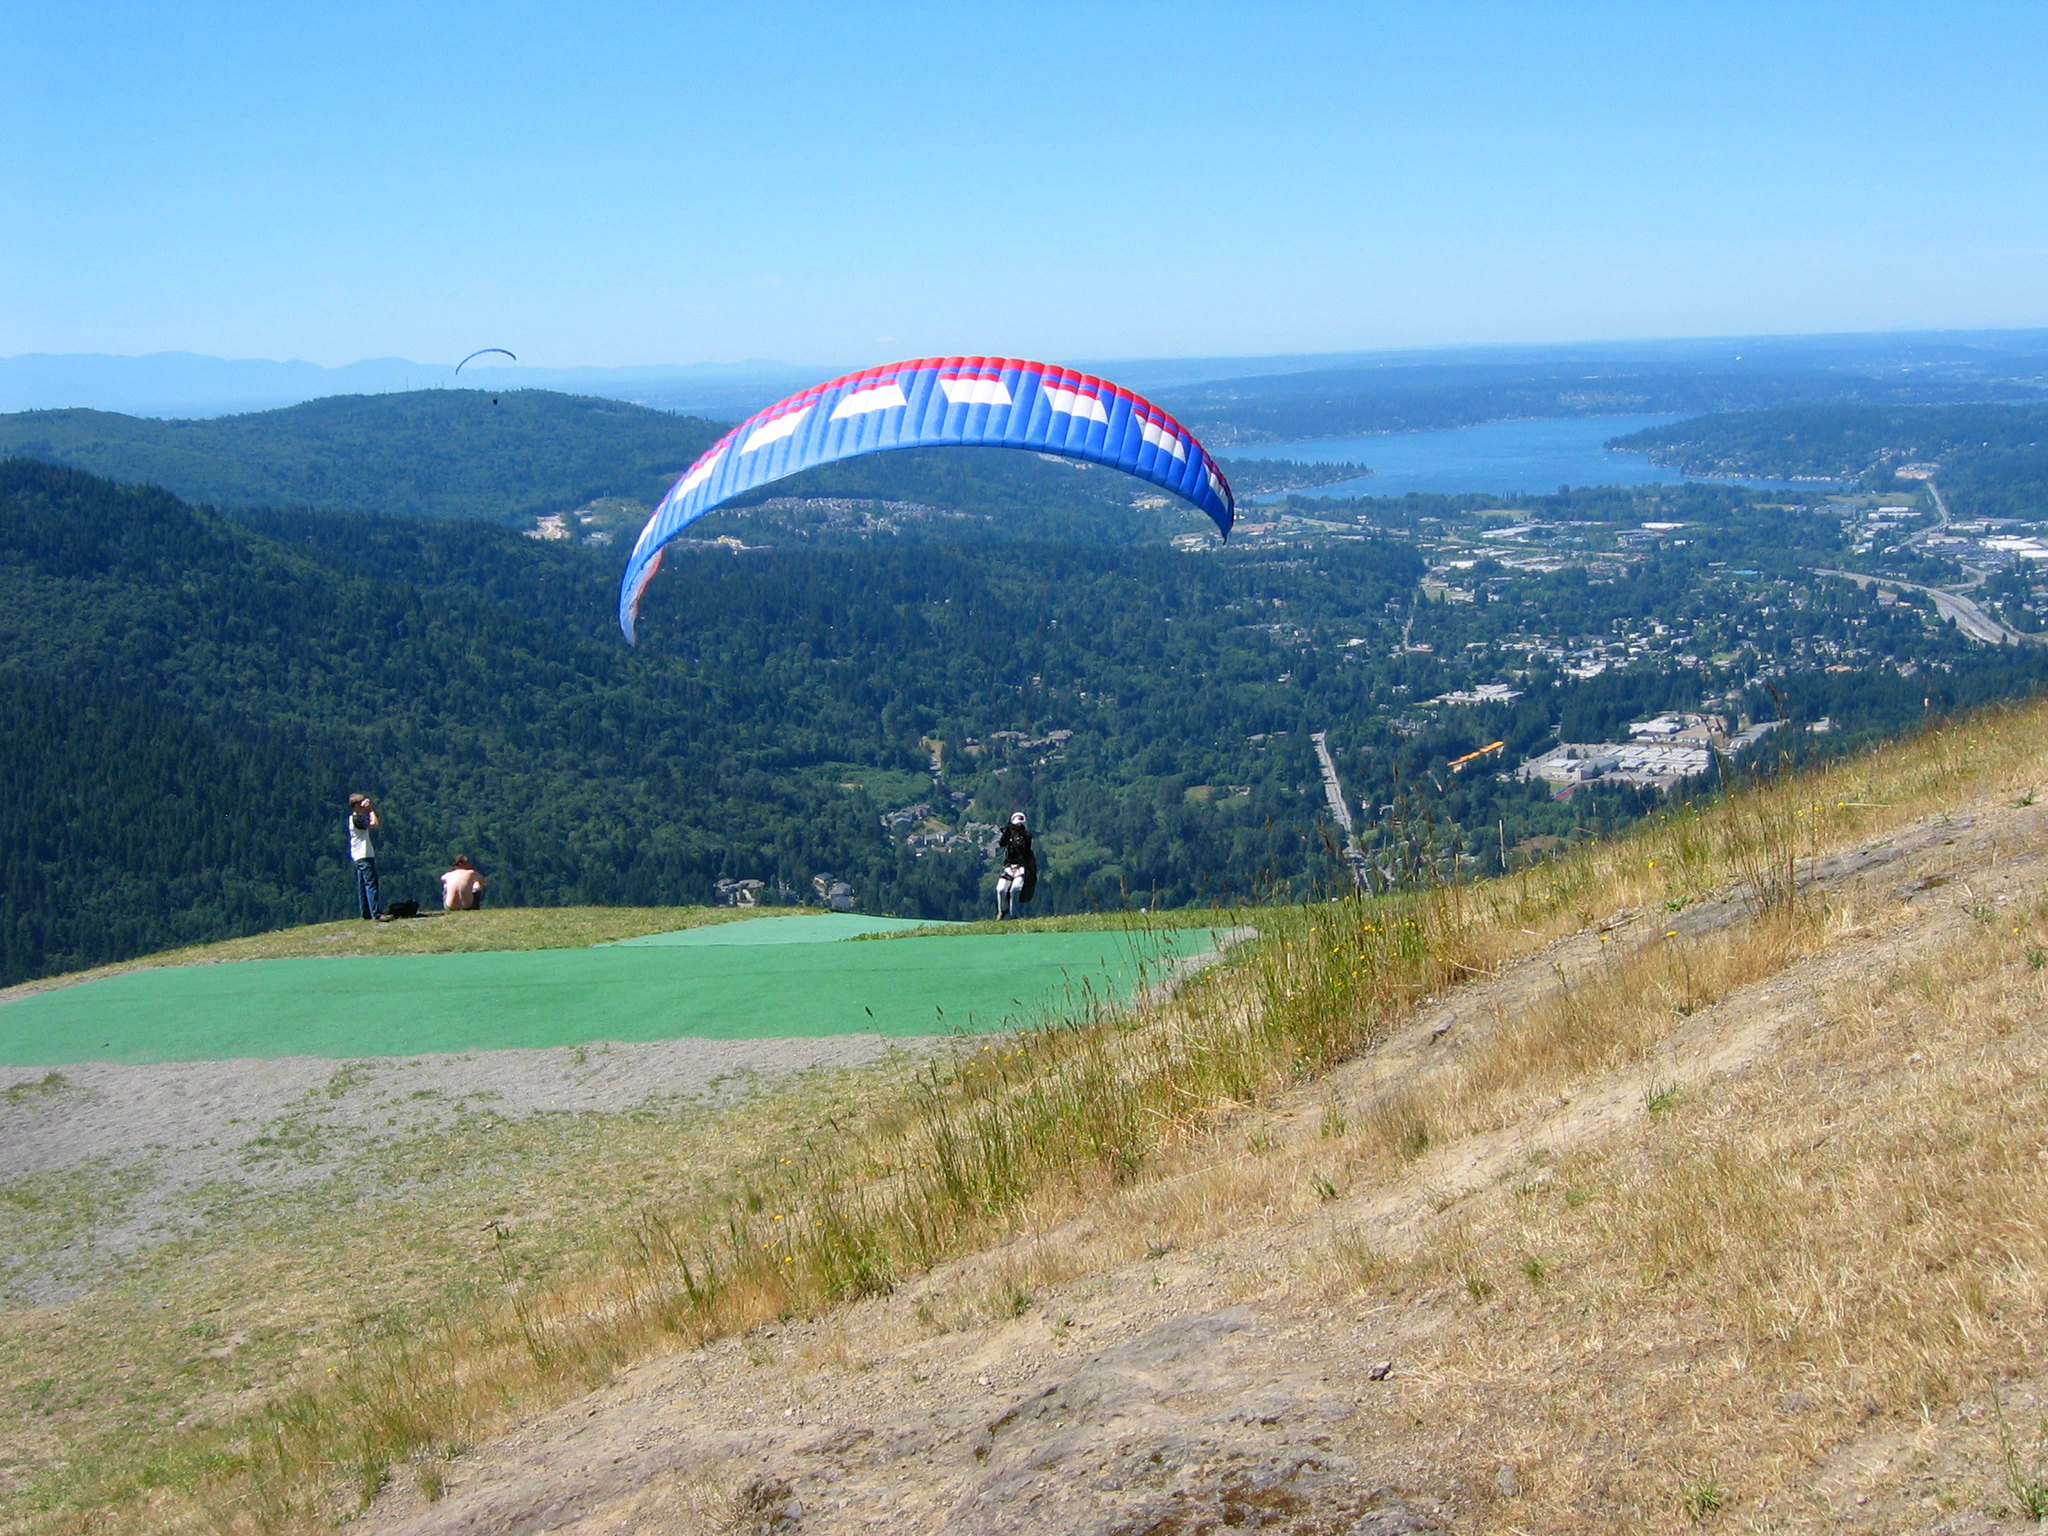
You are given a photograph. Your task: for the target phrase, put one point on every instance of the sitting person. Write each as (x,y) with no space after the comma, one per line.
(462,888)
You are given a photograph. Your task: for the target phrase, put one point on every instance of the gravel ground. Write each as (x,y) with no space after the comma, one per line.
(152,1149)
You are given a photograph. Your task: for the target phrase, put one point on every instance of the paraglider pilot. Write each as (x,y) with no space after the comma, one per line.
(1019,877)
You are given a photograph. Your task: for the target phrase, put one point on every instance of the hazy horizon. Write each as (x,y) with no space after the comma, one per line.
(1416,349)
(176,382)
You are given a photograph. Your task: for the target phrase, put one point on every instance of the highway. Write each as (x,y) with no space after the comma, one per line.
(1333,787)
(1960,611)
(1951,605)
(1941,511)
(1333,791)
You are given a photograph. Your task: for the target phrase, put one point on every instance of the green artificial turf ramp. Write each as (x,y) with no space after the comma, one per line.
(408,1005)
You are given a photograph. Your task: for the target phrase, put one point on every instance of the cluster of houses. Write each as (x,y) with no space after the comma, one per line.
(833,894)
(1052,743)
(922,831)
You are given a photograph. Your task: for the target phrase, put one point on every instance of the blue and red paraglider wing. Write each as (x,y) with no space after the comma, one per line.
(997,402)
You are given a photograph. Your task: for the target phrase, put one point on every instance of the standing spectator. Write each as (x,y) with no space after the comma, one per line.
(362,821)
(462,888)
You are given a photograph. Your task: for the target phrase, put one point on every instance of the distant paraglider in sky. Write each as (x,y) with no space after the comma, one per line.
(999,402)
(484,352)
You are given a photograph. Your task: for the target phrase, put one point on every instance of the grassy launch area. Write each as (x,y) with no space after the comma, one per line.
(767,977)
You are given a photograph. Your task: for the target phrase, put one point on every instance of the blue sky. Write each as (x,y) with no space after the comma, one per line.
(666,183)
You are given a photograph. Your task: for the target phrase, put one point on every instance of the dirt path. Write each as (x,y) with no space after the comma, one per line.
(1152,1385)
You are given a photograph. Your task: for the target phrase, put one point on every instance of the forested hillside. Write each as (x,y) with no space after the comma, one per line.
(510,458)
(125,827)
(1992,459)
(472,680)
(429,452)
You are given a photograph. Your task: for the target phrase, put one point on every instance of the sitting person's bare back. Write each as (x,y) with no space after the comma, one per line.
(462,888)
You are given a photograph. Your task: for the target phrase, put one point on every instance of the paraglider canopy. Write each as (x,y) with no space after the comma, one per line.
(483,352)
(1001,402)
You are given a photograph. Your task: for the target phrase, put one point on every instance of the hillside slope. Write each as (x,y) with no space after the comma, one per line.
(1723,1207)
(192,696)
(429,452)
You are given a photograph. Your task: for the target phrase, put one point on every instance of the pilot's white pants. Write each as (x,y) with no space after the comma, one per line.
(1010,892)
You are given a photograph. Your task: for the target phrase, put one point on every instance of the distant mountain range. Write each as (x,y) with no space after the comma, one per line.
(190,689)
(189,384)
(1947,365)
(1412,392)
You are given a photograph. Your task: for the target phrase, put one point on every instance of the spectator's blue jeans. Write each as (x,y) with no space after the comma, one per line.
(367,895)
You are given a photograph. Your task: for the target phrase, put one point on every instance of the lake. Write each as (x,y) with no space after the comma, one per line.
(1501,458)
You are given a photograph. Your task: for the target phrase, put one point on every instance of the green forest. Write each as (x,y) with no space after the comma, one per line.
(473,681)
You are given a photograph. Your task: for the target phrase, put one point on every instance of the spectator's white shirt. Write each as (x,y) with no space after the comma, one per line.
(359,844)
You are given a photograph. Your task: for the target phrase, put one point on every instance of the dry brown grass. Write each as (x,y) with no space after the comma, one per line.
(1610,1018)
(1727,1291)
(1747,1235)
